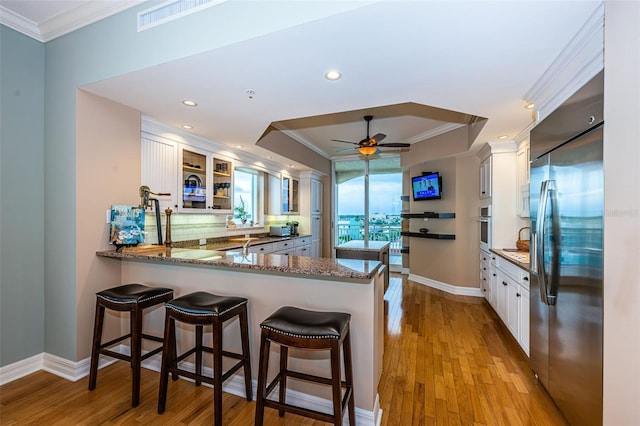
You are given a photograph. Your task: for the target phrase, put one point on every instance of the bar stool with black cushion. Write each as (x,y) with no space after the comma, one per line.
(132,298)
(200,309)
(292,327)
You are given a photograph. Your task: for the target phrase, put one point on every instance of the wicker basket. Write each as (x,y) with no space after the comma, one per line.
(522,245)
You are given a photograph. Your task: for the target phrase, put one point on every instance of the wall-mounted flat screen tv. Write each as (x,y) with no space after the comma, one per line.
(427,186)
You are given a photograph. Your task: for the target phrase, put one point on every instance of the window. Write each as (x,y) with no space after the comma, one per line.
(245,193)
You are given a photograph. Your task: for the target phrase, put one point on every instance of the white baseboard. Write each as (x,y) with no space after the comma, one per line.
(460,291)
(74,371)
(19,369)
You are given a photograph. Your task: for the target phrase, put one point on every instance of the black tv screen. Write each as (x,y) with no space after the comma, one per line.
(427,186)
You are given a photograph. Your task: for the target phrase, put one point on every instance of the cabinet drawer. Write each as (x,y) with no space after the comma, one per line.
(283,245)
(303,250)
(262,248)
(302,241)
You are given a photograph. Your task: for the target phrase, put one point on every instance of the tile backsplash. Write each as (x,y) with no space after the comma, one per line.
(196,226)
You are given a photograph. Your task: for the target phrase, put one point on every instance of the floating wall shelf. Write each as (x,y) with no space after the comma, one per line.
(429,215)
(433,236)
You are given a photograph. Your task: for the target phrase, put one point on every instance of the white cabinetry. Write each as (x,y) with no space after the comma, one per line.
(160,168)
(311,209)
(485,178)
(316,196)
(512,300)
(294,246)
(522,166)
(290,195)
(498,181)
(485,273)
(199,180)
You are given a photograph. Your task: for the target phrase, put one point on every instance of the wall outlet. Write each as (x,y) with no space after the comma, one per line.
(203,241)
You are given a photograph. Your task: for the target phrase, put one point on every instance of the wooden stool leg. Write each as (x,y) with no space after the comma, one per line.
(136,354)
(282,392)
(95,346)
(348,374)
(263,368)
(336,383)
(217,372)
(246,356)
(167,358)
(198,353)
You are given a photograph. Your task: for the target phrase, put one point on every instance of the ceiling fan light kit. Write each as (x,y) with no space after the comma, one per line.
(367,150)
(369,145)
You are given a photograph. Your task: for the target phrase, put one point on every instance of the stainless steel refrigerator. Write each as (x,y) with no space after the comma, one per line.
(567,197)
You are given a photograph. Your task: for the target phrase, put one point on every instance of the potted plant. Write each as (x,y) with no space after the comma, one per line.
(241,211)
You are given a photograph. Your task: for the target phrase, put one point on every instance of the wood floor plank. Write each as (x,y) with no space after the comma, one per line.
(448,360)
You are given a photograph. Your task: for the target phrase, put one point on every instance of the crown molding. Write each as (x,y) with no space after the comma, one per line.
(10,19)
(445,128)
(85,14)
(578,62)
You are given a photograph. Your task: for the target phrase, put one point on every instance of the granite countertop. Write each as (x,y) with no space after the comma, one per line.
(361,245)
(518,258)
(306,267)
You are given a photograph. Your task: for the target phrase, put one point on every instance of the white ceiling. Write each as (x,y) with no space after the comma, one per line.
(473,57)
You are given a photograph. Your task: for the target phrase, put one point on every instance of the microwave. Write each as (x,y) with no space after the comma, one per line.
(484,225)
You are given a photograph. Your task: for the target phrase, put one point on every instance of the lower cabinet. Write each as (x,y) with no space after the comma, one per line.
(506,288)
(296,247)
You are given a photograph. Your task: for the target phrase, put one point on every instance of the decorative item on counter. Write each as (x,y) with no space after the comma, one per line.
(423,230)
(241,211)
(522,245)
(230,222)
(167,241)
(127,226)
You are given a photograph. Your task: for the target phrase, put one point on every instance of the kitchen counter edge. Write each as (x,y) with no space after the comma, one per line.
(351,270)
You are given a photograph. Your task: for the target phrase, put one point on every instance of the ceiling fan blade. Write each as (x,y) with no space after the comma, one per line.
(395,145)
(338,140)
(378,137)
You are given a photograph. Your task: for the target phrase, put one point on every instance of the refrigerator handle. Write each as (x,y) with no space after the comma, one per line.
(552,291)
(539,243)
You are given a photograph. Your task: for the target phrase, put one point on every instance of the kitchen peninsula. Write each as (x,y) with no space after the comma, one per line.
(270,281)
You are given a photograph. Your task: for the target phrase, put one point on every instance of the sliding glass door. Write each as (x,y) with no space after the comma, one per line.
(368,200)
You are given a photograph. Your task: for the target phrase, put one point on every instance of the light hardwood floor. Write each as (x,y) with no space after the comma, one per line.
(448,360)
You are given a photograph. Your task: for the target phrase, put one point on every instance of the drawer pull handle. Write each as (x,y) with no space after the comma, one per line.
(504,283)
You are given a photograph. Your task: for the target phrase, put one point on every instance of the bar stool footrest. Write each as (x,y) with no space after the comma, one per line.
(306,412)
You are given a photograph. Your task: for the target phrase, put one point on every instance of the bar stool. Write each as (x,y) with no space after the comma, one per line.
(132,298)
(292,327)
(199,309)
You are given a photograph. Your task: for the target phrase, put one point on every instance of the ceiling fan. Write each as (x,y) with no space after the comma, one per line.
(369,145)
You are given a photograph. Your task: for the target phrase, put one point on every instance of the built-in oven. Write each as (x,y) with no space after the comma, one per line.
(484,222)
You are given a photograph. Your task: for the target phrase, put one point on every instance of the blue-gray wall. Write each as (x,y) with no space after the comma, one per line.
(21,196)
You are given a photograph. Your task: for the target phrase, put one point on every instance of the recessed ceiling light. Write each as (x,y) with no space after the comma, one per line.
(190,103)
(503,137)
(186,127)
(239,146)
(292,166)
(332,75)
(269,157)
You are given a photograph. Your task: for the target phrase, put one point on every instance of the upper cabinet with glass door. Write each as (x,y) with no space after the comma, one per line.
(195,196)
(222,185)
(206,182)
(290,196)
